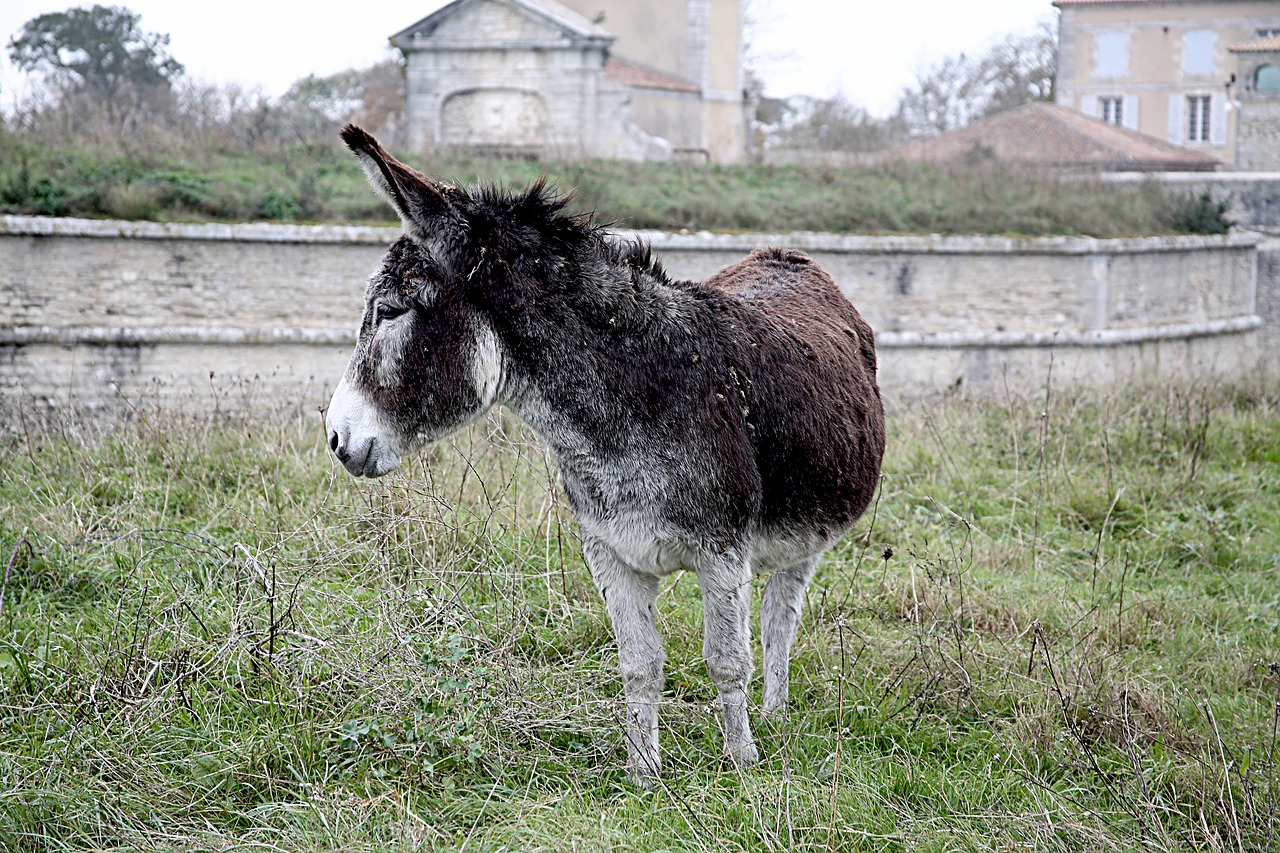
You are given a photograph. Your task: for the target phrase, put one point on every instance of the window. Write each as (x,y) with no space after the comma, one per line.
(1266,79)
(1198,118)
(1268,33)
(1111,109)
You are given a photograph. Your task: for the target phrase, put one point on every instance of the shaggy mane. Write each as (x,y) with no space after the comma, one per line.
(540,208)
(638,255)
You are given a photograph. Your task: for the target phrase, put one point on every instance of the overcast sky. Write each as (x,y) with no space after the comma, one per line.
(867,50)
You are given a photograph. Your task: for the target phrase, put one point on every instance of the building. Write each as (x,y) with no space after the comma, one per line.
(1257,91)
(578,78)
(1043,134)
(1163,67)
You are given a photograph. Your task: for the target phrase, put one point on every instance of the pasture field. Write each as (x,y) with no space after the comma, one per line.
(1057,629)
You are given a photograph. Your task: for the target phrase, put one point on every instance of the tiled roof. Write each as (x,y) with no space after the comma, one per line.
(1258,45)
(1050,134)
(639,77)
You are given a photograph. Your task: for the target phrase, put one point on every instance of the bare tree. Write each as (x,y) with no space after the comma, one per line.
(824,124)
(1021,70)
(954,92)
(369,96)
(960,89)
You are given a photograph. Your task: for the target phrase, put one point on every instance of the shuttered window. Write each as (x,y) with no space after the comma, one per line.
(1111,110)
(1198,118)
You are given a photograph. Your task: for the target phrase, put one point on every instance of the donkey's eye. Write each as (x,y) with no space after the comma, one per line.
(383,311)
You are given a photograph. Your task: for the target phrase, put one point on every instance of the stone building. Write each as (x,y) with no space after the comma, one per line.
(1257,92)
(1163,67)
(578,78)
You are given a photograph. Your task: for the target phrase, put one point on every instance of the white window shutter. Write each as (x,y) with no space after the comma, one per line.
(1089,106)
(1177,123)
(1130,115)
(1218,120)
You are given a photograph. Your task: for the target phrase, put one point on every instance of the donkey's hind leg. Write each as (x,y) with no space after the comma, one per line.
(779,614)
(725,580)
(629,598)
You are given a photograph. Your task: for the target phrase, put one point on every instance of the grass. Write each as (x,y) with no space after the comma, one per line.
(316,181)
(1058,629)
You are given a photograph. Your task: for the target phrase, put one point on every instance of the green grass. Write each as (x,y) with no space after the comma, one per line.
(318,182)
(1058,629)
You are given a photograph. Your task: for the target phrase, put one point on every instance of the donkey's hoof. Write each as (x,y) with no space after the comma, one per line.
(744,755)
(643,770)
(642,778)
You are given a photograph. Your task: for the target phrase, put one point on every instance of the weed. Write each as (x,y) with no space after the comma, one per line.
(132,201)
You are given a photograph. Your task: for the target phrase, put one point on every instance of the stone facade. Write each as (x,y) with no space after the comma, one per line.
(119,317)
(1159,66)
(1257,94)
(544,79)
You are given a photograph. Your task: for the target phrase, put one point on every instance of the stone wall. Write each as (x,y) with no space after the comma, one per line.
(114,316)
(1253,198)
(100,315)
(1253,202)
(1258,135)
(991,314)
(1269,305)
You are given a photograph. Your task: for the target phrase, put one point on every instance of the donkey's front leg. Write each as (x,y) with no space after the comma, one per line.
(725,579)
(629,598)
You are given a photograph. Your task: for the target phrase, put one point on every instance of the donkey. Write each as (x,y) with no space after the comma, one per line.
(725,427)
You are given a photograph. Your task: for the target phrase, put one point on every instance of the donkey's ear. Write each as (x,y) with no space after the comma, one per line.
(418,200)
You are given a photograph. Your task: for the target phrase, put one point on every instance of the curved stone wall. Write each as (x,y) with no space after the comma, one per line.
(999,314)
(122,316)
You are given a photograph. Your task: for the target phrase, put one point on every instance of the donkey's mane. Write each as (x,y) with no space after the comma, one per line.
(540,208)
(638,255)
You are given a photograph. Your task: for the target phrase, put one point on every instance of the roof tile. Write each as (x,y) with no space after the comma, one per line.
(640,77)
(1051,134)
(1258,45)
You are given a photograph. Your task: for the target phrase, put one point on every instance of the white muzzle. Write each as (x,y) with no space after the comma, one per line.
(355,435)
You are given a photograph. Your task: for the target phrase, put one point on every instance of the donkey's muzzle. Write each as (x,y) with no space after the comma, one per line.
(355,435)
(367,457)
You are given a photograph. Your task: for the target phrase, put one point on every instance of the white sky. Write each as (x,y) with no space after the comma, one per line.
(867,50)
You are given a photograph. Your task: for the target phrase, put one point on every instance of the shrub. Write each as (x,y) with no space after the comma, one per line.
(1199,214)
(278,204)
(134,200)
